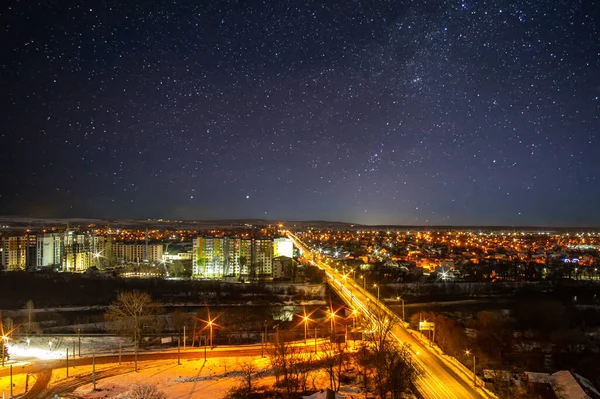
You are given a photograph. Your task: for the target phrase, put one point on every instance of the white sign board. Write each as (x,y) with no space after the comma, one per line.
(426,326)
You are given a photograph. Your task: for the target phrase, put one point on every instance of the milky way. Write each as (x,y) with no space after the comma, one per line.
(424,112)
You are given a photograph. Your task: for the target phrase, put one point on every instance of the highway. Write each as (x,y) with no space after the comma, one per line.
(438,378)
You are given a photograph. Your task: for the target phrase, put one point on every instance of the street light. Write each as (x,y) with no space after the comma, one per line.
(305,328)
(4,340)
(210,321)
(376,286)
(399,298)
(474,375)
(332,319)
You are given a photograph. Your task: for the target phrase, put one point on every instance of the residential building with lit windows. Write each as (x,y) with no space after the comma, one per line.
(79,251)
(262,256)
(13,252)
(136,253)
(49,250)
(218,257)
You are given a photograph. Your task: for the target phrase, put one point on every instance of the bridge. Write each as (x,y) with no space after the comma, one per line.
(441,376)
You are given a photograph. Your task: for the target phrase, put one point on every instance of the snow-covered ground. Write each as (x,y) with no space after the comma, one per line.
(18,385)
(55,347)
(192,379)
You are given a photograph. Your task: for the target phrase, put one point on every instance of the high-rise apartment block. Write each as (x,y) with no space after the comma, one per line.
(70,251)
(137,253)
(49,250)
(218,257)
(13,252)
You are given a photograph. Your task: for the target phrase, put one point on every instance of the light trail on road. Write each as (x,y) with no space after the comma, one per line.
(437,379)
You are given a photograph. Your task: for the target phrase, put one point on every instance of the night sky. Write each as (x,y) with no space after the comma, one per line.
(395,112)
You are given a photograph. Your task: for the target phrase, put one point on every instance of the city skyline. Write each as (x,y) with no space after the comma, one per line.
(435,114)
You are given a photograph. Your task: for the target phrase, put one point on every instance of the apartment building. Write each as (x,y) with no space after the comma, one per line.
(136,253)
(13,252)
(218,257)
(49,250)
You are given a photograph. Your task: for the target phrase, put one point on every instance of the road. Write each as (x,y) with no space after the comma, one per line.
(439,379)
(43,369)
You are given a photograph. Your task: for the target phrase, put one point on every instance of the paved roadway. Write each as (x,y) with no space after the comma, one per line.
(43,369)
(438,379)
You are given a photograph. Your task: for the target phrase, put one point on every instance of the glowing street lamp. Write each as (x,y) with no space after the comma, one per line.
(376,286)
(467,352)
(399,298)
(332,319)
(209,323)
(4,341)
(305,327)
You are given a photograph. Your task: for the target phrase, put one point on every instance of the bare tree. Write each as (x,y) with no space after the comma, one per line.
(249,372)
(332,358)
(30,326)
(392,368)
(290,366)
(362,359)
(134,314)
(146,391)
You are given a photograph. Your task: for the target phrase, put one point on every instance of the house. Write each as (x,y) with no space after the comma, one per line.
(563,384)
(570,385)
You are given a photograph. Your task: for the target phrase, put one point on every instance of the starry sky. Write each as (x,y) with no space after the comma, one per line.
(380,112)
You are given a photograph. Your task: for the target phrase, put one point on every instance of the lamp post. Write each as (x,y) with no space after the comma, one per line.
(399,298)
(332,319)
(4,340)
(376,286)
(305,327)
(364,282)
(474,375)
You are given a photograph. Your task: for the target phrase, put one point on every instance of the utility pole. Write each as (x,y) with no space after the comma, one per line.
(94,371)
(184,338)
(67,362)
(79,339)
(178,352)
